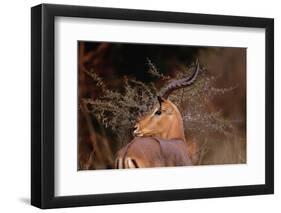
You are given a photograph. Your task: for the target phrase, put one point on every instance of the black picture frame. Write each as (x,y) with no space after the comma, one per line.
(43,117)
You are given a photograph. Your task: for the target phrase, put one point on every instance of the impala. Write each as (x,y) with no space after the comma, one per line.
(159,136)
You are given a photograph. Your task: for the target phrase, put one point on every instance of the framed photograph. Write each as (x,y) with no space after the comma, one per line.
(140,106)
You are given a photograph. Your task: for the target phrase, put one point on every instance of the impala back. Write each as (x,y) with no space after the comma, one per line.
(145,152)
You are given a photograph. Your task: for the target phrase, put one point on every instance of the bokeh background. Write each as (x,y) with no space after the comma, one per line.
(214,110)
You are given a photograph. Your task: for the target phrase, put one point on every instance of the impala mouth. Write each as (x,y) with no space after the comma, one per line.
(137,134)
(145,132)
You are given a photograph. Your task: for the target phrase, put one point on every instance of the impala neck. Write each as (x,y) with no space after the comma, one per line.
(176,129)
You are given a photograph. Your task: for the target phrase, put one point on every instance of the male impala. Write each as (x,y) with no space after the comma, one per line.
(159,137)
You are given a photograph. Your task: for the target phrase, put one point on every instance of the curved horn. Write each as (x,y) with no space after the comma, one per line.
(181,83)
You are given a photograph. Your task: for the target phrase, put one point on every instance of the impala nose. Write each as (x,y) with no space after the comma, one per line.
(135,130)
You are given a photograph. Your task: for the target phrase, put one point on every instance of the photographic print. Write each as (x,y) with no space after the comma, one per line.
(155,105)
(178,96)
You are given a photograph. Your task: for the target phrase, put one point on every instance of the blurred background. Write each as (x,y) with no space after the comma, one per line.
(214,109)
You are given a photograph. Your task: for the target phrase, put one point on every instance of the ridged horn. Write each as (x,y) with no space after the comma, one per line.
(180,83)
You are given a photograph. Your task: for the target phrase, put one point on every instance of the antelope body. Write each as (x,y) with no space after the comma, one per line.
(153,152)
(159,136)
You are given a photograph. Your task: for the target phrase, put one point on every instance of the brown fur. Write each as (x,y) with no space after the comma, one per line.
(156,152)
(160,140)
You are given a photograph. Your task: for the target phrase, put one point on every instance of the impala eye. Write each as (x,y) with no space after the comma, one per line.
(158,112)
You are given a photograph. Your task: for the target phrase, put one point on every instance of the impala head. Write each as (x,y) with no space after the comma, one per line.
(165,120)
(156,122)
